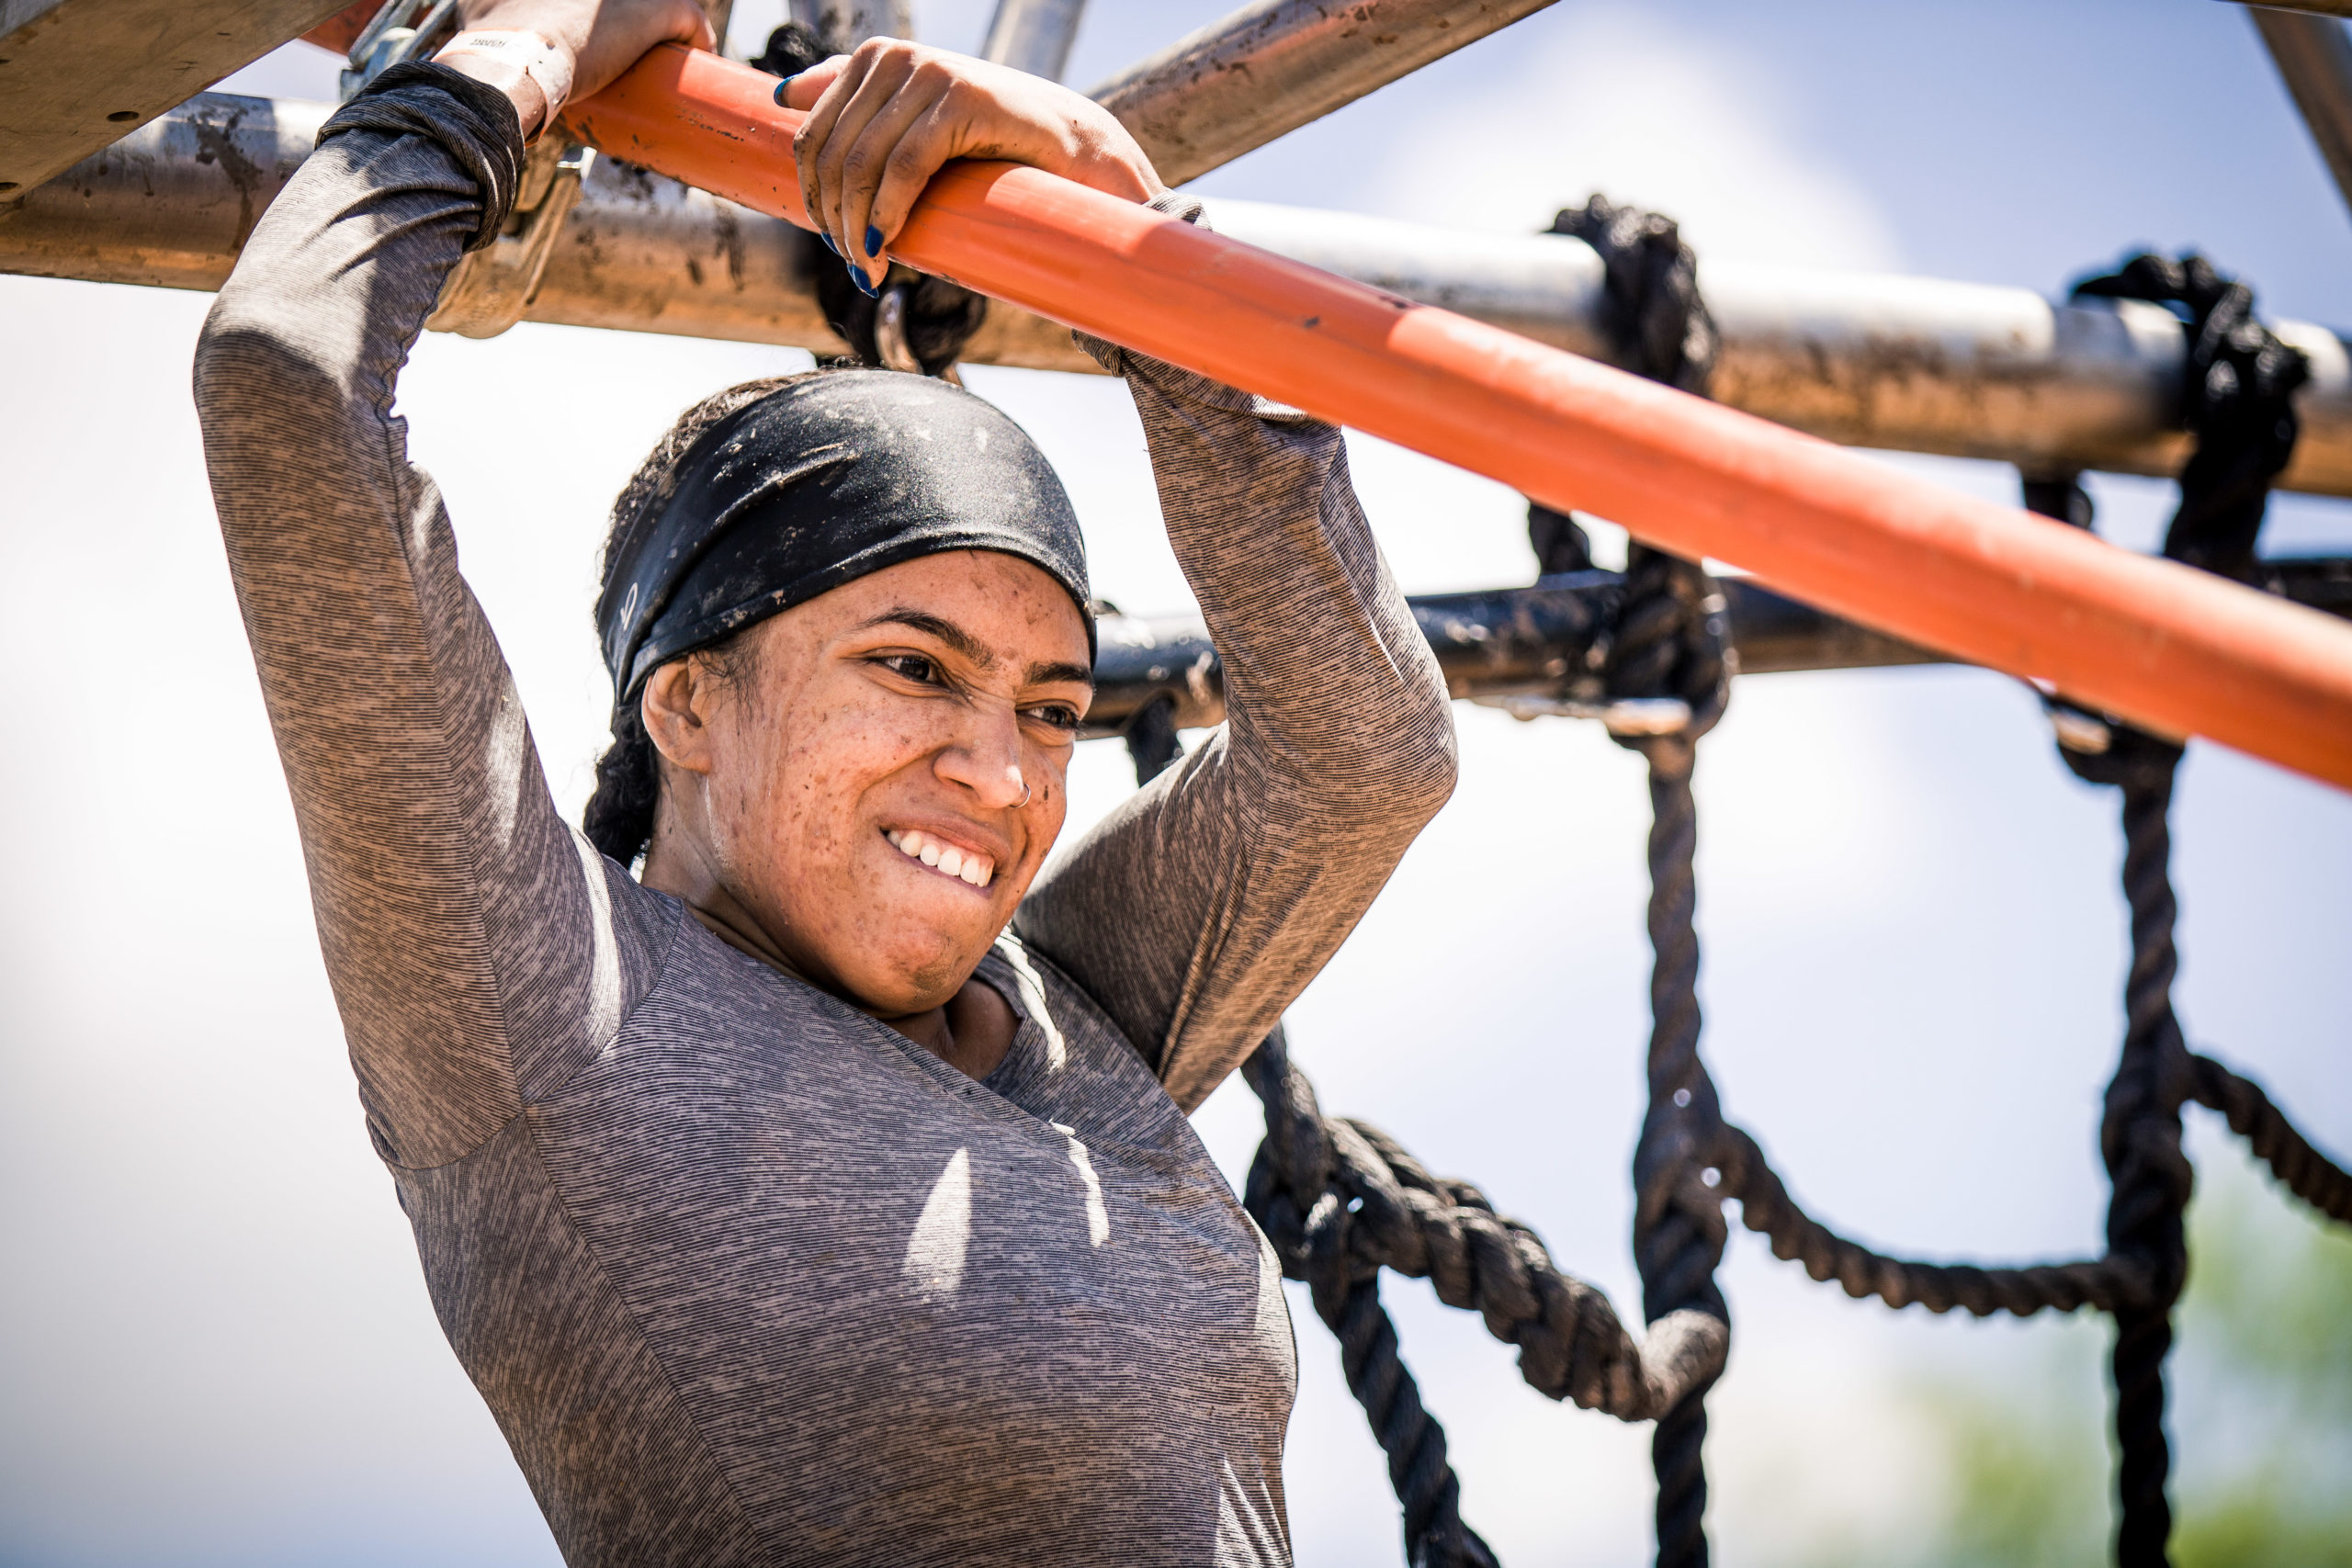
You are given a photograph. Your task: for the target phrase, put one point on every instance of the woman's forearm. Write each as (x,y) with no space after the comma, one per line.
(450,900)
(1209,901)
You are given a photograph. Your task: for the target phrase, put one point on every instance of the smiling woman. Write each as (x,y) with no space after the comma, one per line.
(822,1192)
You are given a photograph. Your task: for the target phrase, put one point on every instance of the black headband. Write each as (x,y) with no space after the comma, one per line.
(820,482)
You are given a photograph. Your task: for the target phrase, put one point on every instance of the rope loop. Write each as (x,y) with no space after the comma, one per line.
(919,323)
(1666,663)
(2238,381)
(1657,324)
(2237,400)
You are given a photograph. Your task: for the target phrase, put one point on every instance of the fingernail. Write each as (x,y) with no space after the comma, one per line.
(829,243)
(872,241)
(865,288)
(781,84)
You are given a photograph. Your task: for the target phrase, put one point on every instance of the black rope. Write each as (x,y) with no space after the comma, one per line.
(2237,400)
(2238,381)
(1670,641)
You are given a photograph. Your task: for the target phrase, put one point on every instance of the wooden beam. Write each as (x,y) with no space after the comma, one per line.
(78,74)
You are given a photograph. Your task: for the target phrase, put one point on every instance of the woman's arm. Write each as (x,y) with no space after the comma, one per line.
(1201,907)
(478,949)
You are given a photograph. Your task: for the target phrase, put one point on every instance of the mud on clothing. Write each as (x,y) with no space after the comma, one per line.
(745,1275)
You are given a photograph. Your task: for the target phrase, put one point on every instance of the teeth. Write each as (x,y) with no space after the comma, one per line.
(963,864)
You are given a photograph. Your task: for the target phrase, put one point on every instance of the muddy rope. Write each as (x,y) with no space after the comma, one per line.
(1340,1199)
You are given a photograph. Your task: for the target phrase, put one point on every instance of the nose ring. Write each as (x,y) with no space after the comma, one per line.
(1024,795)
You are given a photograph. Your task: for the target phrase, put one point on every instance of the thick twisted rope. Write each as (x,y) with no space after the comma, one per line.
(2300,1169)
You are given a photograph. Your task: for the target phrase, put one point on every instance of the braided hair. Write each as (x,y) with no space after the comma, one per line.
(620,814)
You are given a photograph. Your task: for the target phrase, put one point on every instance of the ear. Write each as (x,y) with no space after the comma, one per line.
(677,708)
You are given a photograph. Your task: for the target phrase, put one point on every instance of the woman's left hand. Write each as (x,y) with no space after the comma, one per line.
(882,121)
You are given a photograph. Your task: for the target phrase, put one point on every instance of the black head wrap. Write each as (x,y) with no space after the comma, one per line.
(819,483)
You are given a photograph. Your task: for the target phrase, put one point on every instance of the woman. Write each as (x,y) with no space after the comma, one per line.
(823,1194)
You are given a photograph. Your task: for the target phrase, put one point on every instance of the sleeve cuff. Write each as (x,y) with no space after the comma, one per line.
(471,121)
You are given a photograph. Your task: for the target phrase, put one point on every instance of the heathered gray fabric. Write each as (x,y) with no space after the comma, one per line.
(744,1275)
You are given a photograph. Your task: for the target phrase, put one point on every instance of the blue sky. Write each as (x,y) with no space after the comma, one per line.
(214,1347)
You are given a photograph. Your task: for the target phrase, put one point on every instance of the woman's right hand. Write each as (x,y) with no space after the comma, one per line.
(597,39)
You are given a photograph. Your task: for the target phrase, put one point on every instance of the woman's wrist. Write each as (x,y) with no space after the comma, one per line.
(534,74)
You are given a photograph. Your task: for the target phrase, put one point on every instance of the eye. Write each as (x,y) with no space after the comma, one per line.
(912,667)
(1056,716)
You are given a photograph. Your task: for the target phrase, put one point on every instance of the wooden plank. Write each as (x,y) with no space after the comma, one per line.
(75,76)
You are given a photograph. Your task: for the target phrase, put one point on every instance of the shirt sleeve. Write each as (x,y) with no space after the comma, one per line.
(1201,907)
(480,950)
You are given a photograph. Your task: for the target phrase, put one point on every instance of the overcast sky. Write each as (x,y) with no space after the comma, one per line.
(214,1344)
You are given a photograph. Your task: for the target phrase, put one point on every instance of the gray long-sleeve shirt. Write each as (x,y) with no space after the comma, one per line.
(745,1275)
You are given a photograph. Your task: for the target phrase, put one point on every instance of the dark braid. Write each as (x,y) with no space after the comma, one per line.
(620,814)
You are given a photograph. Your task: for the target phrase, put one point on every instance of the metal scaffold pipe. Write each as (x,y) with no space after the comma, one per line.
(2314,59)
(2175,649)
(1908,364)
(1032,35)
(1275,65)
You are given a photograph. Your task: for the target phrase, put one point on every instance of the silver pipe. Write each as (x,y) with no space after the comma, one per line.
(1275,65)
(1910,364)
(1032,35)
(2316,59)
(842,24)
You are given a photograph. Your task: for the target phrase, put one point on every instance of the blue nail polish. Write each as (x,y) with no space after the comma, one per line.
(829,243)
(780,87)
(872,241)
(864,288)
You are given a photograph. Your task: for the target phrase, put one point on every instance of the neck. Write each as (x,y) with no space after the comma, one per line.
(675,864)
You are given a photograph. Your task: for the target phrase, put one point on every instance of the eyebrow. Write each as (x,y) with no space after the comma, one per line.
(973,648)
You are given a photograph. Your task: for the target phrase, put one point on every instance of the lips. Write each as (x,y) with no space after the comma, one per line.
(948,860)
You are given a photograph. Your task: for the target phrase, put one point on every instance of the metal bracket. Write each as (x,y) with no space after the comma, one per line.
(492,287)
(404,29)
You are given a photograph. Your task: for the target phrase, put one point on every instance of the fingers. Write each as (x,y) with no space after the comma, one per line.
(808,143)
(846,144)
(895,157)
(928,142)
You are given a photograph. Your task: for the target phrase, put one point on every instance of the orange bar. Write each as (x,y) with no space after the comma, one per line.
(2177,651)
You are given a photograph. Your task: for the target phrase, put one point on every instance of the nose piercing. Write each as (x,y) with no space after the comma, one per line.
(1025,796)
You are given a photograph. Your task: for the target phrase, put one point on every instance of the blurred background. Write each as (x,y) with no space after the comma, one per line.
(215,1345)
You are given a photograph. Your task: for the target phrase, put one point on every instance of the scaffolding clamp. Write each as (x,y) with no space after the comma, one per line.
(492,286)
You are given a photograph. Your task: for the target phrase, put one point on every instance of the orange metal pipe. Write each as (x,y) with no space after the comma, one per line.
(2177,651)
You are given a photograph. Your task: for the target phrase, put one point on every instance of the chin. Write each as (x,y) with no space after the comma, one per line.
(923,969)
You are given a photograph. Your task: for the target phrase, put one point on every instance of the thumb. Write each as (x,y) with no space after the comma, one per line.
(802,92)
